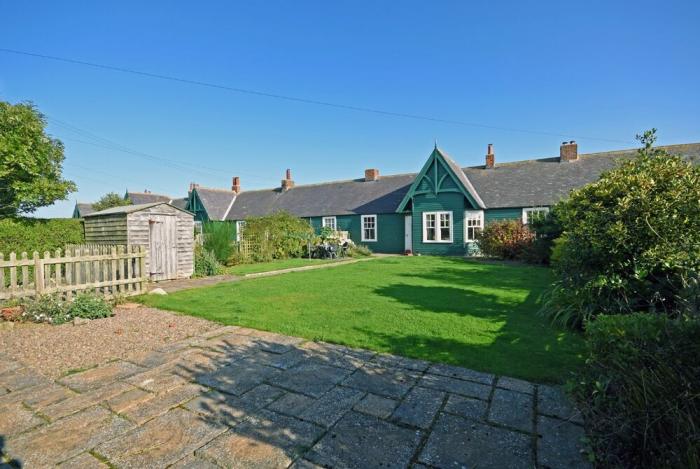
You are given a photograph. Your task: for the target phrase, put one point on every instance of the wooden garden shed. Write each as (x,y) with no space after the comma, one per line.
(166,231)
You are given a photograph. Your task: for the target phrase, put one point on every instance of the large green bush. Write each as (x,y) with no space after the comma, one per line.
(547,230)
(640,391)
(632,240)
(277,236)
(218,239)
(34,234)
(505,239)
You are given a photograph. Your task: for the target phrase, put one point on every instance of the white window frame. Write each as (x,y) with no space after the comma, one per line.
(438,231)
(470,215)
(363,218)
(527,211)
(325,224)
(239,225)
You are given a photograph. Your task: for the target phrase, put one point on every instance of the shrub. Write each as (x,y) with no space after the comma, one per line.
(546,229)
(110,200)
(640,391)
(218,239)
(632,240)
(205,263)
(359,250)
(277,236)
(35,234)
(89,306)
(46,308)
(505,239)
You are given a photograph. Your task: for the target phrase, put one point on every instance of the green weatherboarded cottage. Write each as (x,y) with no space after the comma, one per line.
(437,211)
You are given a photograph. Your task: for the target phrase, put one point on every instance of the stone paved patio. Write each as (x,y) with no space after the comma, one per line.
(236,397)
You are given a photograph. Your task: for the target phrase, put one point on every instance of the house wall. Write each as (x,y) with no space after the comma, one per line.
(390,231)
(446,201)
(496,214)
(108,229)
(138,230)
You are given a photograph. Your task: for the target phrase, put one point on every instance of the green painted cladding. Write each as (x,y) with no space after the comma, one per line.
(390,231)
(496,214)
(197,207)
(454,202)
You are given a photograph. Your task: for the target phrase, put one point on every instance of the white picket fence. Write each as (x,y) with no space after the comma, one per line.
(103,269)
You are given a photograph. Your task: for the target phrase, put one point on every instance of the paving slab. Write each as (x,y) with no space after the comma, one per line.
(394,361)
(125,401)
(377,406)
(457,442)
(468,407)
(66,438)
(262,395)
(15,418)
(238,377)
(514,384)
(310,378)
(560,444)
(282,361)
(84,461)
(38,397)
(419,407)
(157,381)
(21,378)
(292,403)
(388,382)
(513,409)
(98,377)
(455,386)
(332,406)
(336,355)
(194,462)
(267,440)
(162,403)
(552,400)
(461,373)
(79,402)
(363,441)
(162,441)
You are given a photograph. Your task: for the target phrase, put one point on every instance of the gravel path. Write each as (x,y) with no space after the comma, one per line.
(54,350)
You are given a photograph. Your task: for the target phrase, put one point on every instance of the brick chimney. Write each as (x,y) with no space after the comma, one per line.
(490,157)
(193,186)
(236,184)
(568,151)
(371,174)
(287,182)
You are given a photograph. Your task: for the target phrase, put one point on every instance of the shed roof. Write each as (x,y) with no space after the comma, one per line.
(125,209)
(138,198)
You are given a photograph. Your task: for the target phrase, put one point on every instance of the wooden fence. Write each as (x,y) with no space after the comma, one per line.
(104,269)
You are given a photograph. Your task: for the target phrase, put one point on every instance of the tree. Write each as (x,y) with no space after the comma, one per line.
(631,240)
(30,161)
(109,200)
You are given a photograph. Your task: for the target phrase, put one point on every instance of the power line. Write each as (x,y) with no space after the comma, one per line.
(298,99)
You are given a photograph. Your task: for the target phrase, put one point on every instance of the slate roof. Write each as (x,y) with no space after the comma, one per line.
(84,208)
(146,197)
(217,202)
(526,183)
(128,209)
(355,196)
(180,203)
(546,181)
(462,177)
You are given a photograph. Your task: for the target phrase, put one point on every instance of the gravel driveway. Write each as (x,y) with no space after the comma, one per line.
(56,350)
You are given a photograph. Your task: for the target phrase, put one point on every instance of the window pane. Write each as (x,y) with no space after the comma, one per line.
(444,233)
(430,234)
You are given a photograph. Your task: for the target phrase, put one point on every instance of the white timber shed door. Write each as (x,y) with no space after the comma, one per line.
(162,243)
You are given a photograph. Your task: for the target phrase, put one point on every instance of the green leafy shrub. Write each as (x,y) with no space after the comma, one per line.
(632,240)
(218,239)
(359,250)
(35,234)
(89,306)
(277,236)
(205,263)
(505,239)
(110,200)
(46,308)
(546,229)
(640,391)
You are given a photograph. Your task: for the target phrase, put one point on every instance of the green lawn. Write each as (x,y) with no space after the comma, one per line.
(469,313)
(243,269)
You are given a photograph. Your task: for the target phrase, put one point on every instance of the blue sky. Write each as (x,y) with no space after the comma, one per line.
(594,71)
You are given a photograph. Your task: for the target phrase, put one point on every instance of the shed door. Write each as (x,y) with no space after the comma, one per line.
(162,247)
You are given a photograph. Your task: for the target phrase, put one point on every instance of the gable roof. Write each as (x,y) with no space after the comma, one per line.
(349,197)
(525,183)
(216,202)
(138,198)
(180,203)
(131,208)
(82,209)
(545,181)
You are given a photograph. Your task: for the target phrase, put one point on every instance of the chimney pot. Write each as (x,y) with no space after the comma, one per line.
(287,182)
(236,184)
(490,157)
(371,174)
(568,151)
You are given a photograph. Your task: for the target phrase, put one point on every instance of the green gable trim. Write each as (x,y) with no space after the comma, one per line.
(437,177)
(197,207)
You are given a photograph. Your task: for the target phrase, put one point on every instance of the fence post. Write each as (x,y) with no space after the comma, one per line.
(142,266)
(38,274)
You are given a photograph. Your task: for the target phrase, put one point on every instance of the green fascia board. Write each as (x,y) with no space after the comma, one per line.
(436,157)
(197,202)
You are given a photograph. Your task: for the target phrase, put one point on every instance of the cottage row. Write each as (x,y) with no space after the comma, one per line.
(438,210)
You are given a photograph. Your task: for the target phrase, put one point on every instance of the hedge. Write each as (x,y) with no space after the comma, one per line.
(36,234)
